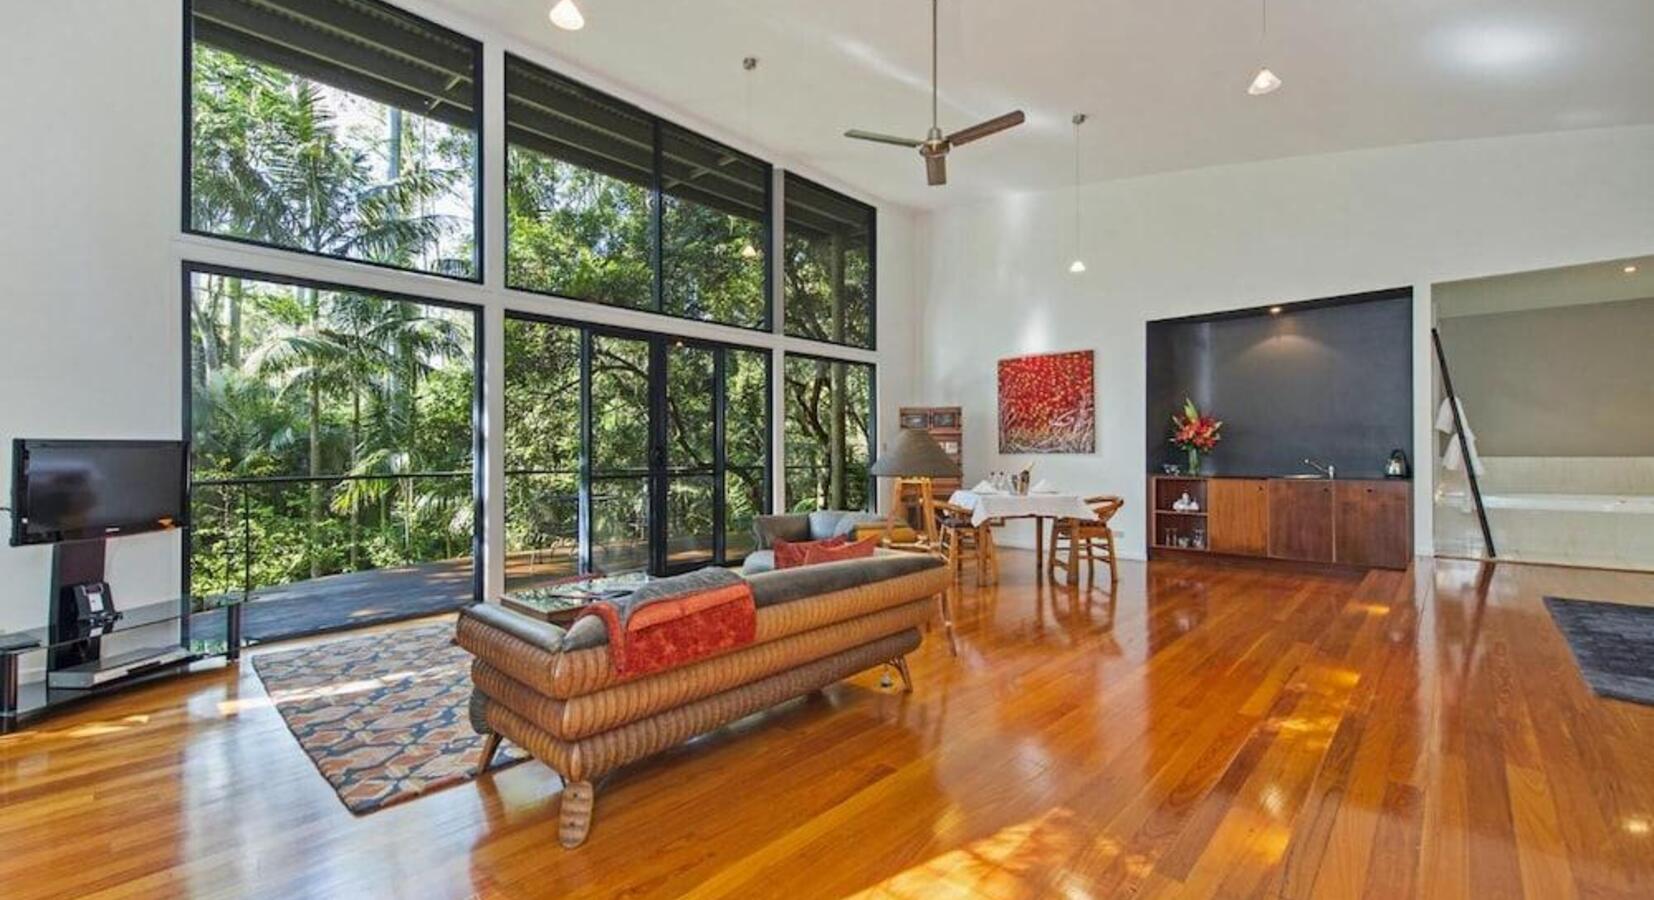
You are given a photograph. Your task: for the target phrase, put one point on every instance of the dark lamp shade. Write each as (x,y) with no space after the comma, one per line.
(915,455)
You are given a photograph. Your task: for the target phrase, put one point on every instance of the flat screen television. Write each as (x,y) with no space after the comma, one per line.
(74,490)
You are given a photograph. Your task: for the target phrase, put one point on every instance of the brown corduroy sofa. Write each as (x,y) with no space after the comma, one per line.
(553,693)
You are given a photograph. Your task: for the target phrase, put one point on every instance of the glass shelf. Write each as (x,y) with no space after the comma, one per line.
(21,701)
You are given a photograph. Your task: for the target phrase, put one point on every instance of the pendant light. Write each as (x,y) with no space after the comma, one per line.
(566,15)
(1265,82)
(1078,265)
(750,65)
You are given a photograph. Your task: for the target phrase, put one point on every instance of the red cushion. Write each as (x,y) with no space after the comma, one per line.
(858,550)
(789,554)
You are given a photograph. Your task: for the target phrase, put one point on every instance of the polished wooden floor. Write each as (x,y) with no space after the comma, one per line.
(1209,732)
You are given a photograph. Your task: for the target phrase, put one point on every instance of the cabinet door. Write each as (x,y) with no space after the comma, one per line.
(1238,512)
(1300,520)
(1375,523)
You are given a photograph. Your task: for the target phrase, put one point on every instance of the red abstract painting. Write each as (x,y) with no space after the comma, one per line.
(1048,403)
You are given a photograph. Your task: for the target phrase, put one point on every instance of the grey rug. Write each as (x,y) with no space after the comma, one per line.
(1613,644)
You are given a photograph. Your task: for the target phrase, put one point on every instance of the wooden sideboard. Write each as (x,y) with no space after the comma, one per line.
(1353,522)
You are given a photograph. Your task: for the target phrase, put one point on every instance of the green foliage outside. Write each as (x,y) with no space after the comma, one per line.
(828,433)
(298,387)
(290,381)
(279,159)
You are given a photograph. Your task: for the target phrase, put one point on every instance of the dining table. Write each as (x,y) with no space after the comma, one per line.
(996,506)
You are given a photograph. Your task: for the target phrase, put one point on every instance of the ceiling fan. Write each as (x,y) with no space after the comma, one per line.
(935,146)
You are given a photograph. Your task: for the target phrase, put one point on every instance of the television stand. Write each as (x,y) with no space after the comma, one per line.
(158,628)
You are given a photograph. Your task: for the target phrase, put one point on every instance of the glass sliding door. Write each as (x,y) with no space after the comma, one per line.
(629,451)
(745,413)
(621,447)
(691,455)
(544,451)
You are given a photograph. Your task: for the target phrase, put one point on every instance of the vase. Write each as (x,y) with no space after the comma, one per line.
(1194,461)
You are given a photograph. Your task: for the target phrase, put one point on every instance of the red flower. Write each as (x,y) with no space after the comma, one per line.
(1192,430)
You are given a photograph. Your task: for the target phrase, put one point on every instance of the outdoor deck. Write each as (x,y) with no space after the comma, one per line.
(359,599)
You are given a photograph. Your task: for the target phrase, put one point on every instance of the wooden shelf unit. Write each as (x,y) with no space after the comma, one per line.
(1352,522)
(947,425)
(1171,525)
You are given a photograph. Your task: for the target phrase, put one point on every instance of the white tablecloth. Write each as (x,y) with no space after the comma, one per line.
(1009,506)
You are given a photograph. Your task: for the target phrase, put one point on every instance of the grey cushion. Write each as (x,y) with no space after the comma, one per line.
(849,522)
(832,523)
(770,587)
(758,561)
(785,585)
(769,529)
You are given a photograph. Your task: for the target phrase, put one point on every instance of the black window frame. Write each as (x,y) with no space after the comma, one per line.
(789,175)
(479,354)
(656,306)
(872,420)
(587,330)
(480,171)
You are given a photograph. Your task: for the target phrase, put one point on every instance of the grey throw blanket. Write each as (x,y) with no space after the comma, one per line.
(708,579)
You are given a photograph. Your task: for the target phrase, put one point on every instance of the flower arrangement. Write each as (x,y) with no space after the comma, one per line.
(1195,433)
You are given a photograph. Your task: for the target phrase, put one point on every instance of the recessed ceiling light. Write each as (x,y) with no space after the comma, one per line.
(1630,270)
(566,15)
(1076,267)
(1274,310)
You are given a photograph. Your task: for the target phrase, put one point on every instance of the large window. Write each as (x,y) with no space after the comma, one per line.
(629,451)
(829,272)
(344,128)
(333,437)
(829,433)
(606,203)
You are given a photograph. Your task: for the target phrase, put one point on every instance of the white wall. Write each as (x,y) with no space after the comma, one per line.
(1248,235)
(90,285)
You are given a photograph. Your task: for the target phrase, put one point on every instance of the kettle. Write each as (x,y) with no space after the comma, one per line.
(1397,467)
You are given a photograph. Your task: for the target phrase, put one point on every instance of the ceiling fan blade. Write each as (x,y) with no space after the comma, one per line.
(936,170)
(992,126)
(874,136)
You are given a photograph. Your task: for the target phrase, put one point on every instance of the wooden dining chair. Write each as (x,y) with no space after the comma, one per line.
(958,541)
(1074,541)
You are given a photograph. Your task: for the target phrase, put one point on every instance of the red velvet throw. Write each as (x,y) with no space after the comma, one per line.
(858,550)
(789,554)
(674,632)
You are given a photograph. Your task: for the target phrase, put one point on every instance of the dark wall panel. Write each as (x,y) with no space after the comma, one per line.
(1331,380)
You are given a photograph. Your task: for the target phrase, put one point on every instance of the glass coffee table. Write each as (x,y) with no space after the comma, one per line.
(560,604)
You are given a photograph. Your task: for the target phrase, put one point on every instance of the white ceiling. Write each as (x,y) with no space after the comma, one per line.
(1162,80)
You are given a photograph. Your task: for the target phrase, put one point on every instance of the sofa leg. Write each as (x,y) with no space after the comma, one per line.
(574,819)
(900,663)
(490,747)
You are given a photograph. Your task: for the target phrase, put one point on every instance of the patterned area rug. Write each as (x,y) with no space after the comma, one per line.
(384,718)
(1613,644)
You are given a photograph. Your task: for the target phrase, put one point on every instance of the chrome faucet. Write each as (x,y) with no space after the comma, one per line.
(1328,470)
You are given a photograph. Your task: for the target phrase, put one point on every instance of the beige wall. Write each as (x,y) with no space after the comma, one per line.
(1569,381)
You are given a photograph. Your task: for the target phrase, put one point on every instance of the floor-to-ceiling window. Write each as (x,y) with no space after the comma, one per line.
(830,290)
(333,437)
(344,128)
(829,433)
(351,129)
(630,451)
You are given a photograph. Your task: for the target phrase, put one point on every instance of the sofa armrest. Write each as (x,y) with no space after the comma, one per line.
(543,635)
